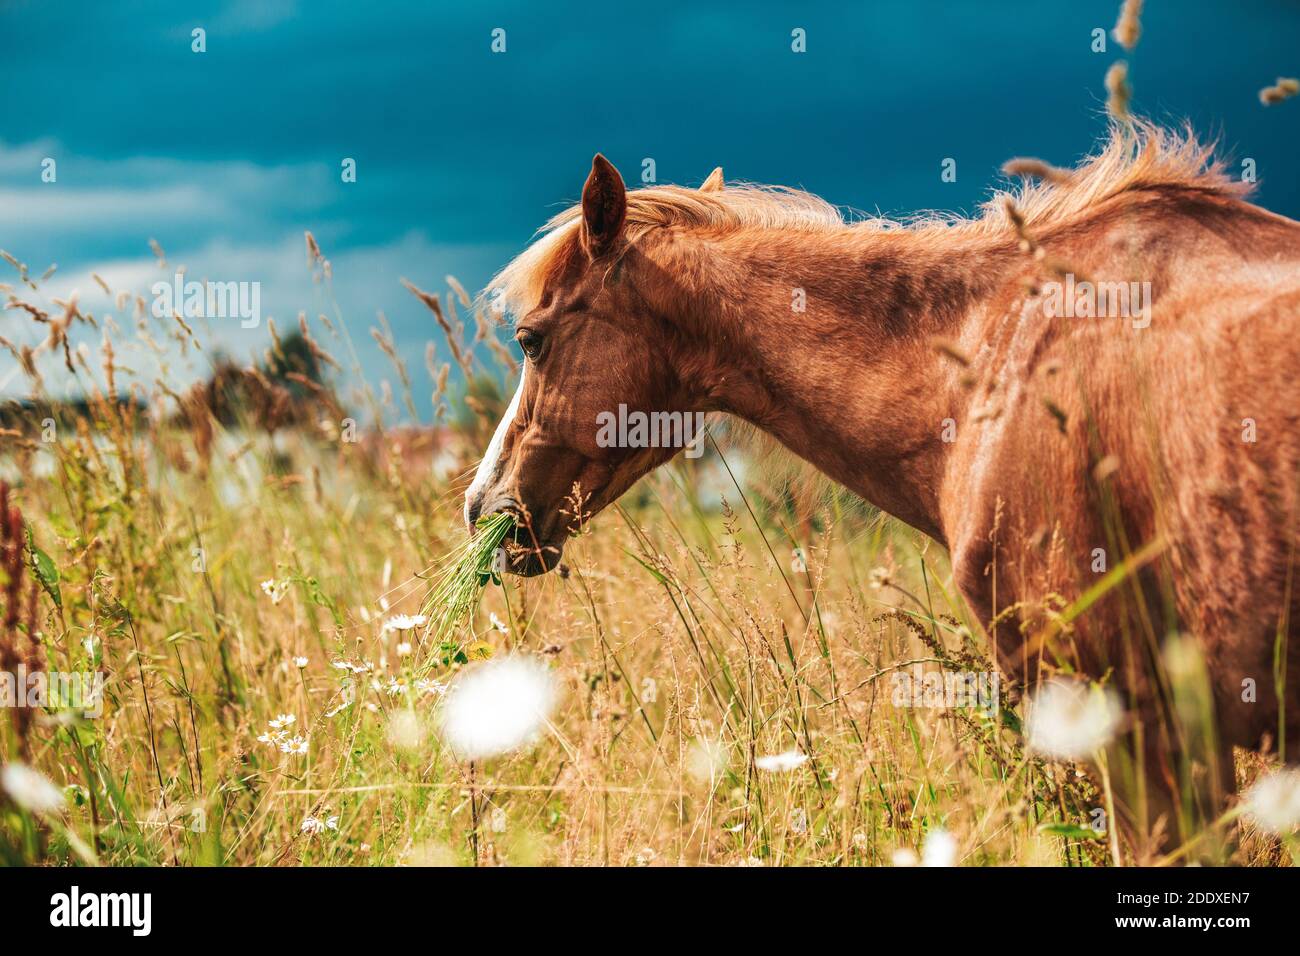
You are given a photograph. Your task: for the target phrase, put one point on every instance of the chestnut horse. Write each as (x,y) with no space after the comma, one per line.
(1088,394)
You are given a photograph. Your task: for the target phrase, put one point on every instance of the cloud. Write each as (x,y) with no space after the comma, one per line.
(54,211)
(186,199)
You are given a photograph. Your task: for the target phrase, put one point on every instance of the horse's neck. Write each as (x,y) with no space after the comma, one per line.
(828,344)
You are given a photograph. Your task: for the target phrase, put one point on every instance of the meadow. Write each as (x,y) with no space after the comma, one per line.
(248,561)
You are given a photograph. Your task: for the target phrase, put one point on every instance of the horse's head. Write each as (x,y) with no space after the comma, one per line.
(598,360)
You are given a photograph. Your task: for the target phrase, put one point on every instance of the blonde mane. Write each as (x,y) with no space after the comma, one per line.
(1137,155)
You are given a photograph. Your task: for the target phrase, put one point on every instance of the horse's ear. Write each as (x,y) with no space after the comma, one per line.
(714,183)
(604,207)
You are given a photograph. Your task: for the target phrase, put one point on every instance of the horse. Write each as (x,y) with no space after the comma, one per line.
(1086,393)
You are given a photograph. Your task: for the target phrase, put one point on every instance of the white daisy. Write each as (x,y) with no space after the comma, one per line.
(275,590)
(294,745)
(365,667)
(905,856)
(404,622)
(498,706)
(940,849)
(1274,801)
(782,762)
(30,789)
(706,760)
(1071,720)
(427,685)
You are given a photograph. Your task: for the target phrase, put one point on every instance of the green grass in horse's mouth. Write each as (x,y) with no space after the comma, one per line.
(460,582)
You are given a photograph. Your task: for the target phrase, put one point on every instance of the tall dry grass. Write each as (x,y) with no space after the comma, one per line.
(726,641)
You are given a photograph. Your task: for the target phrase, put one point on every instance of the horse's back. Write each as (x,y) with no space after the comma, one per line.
(1180,430)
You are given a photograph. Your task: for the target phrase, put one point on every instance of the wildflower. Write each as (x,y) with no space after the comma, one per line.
(905,856)
(300,662)
(275,590)
(498,706)
(1274,801)
(646,856)
(314,825)
(404,649)
(427,685)
(30,789)
(1070,720)
(365,667)
(706,760)
(498,820)
(878,578)
(283,720)
(404,622)
(781,763)
(940,849)
(296,745)
(496,623)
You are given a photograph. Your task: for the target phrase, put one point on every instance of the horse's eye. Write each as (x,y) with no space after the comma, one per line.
(530,342)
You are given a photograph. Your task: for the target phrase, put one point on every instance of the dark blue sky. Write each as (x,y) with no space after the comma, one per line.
(227,156)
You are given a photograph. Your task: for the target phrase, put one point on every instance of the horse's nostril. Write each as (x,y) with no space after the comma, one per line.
(473,508)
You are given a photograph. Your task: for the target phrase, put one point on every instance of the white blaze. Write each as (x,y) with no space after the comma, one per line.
(488,466)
